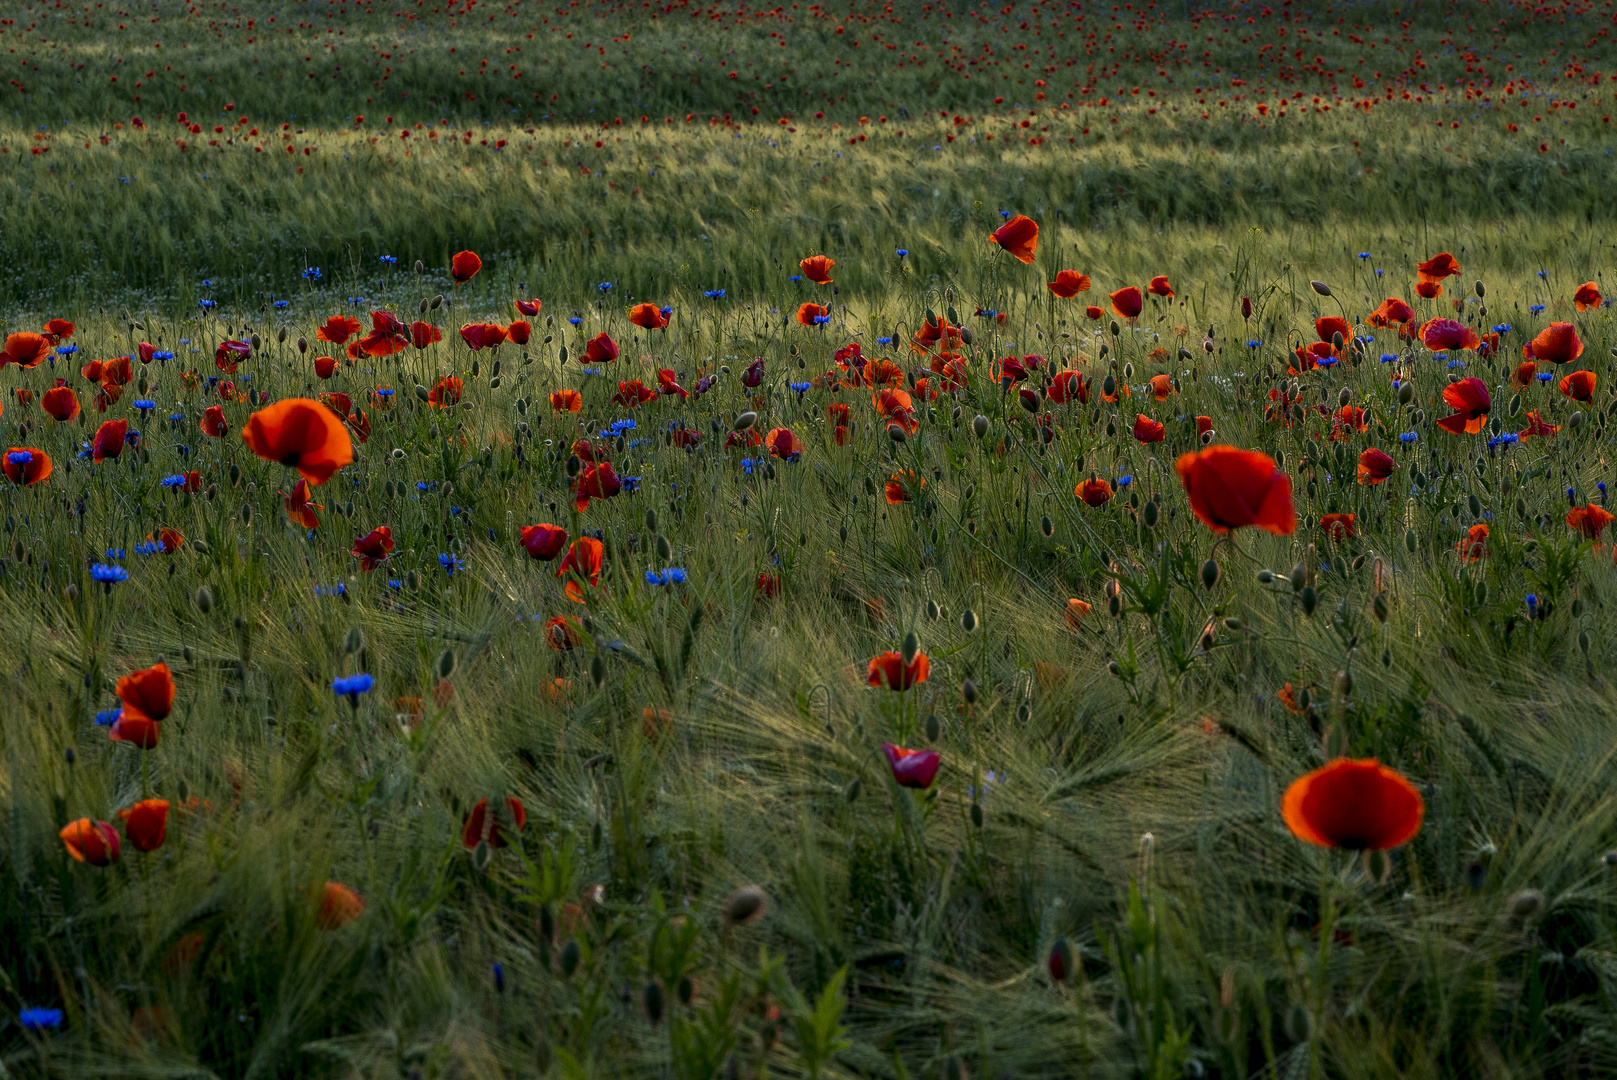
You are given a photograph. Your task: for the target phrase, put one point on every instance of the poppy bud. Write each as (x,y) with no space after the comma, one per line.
(70,592)
(573,464)
(446,663)
(420,392)
(1525,904)
(686,990)
(746,905)
(354,642)
(1343,398)
(1575,421)
(1410,540)
(303,345)
(1344,683)
(437,301)
(896,432)
(1320,287)
(1583,641)
(745,420)
(1128,370)
(968,620)
(968,692)
(1406,392)
(1116,329)
(1336,341)
(653,998)
(1232,623)
(1210,574)
(1474,504)
(1108,386)
(1149,515)
(1378,606)
(1246,307)
(979,426)
(1481,291)
(1299,1025)
(246,513)
(280,336)
(665,551)
(932,727)
(932,609)
(258,342)
(569,959)
(1310,600)
(966,337)
(1114,606)
(1114,669)
(597,670)
(561,355)
(1298,576)
(1046,526)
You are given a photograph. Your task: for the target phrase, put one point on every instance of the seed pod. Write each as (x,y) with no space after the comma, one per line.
(246,513)
(932,609)
(1575,421)
(1481,291)
(437,301)
(747,904)
(422,307)
(896,432)
(1116,329)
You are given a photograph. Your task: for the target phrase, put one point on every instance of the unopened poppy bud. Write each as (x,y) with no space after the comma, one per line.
(446,663)
(70,592)
(1474,504)
(1481,290)
(1232,623)
(569,959)
(246,513)
(1210,574)
(653,999)
(933,729)
(968,620)
(1526,904)
(1575,421)
(1344,683)
(1246,307)
(280,336)
(1029,398)
(1299,1024)
(979,426)
(1046,526)
(258,342)
(437,301)
(966,337)
(1266,577)
(1116,329)
(573,464)
(1114,606)
(1343,398)
(354,642)
(1115,669)
(896,432)
(747,904)
(1299,576)
(1406,392)
(1336,341)
(303,345)
(1149,515)
(977,815)
(1310,599)
(597,670)
(745,420)
(968,692)
(1410,540)
(1378,607)
(912,645)
(851,792)
(421,392)
(932,609)
(1320,287)
(1583,641)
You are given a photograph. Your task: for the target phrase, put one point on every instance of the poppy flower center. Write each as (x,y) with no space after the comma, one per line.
(291,460)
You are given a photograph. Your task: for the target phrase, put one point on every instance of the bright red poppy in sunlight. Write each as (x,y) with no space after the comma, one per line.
(299,508)
(595,482)
(1231,488)
(1438,267)
(484,335)
(26,350)
(1579,386)
(1069,283)
(1326,327)
(337,329)
(465,265)
(109,440)
(817,268)
(339,905)
(1161,387)
(1591,521)
(1375,466)
(90,841)
(1392,310)
(1127,303)
(1068,386)
(585,558)
(170,540)
(485,827)
(1557,343)
(1354,806)
(566,401)
(214,424)
(34,469)
(1158,286)
(1522,377)
(633,392)
(301,434)
(544,541)
(146,823)
(1470,401)
(1019,237)
(325,366)
(372,548)
(445,392)
(648,317)
(1147,430)
(911,768)
(1587,296)
(601,349)
(1428,290)
(890,670)
(423,334)
(58,330)
(528,308)
(1094,491)
(669,385)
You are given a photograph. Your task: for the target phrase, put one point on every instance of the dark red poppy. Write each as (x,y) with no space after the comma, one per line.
(35,470)
(1591,521)
(528,308)
(595,482)
(1019,237)
(1069,283)
(26,350)
(484,335)
(1094,492)
(1587,296)
(423,334)
(338,402)
(782,443)
(170,540)
(146,823)
(325,366)
(1557,343)
(519,331)
(1231,488)
(1428,290)
(633,392)
(372,548)
(483,826)
(60,402)
(90,841)
(465,265)
(1127,303)
(1375,466)
(337,329)
(360,425)
(911,768)
(1470,401)
(229,354)
(1158,286)
(544,541)
(890,670)
(1438,267)
(1339,527)
(148,692)
(109,440)
(1522,377)
(214,424)
(1326,327)
(1353,805)
(668,384)
(58,330)
(1147,430)
(1441,335)
(600,350)
(301,434)
(1579,386)
(299,508)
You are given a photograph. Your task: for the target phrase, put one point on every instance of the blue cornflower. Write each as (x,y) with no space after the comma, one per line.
(162,355)
(1502,328)
(1004,213)
(19,457)
(672,576)
(1125,481)
(620,426)
(1364,254)
(630,483)
(422,485)
(1536,308)
(748,464)
(132,438)
(175,418)
(604,286)
(1327,361)
(385,392)
(312,273)
(356,300)
(1456,364)
(1504,439)
(40,1019)
(795,277)
(666,311)
(207,284)
(148,547)
(1409,436)
(351,686)
(451,562)
(395,584)
(66,350)
(107,717)
(205,305)
(108,575)
(589,371)
(1388,357)
(1254,343)
(282,303)
(499,978)
(1532,602)
(388,260)
(145,405)
(575,320)
(714,294)
(1378,272)
(903,252)
(1545,376)
(821,320)
(800,387)
(115,554)
(1543,274)
(884,341)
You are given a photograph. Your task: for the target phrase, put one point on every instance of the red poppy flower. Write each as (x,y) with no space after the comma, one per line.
(889,670)
(483,826)
(1069,283)
(595,482)
(648,317)
(1353,805)
(1161,387)
(782,443)
(1438,267)
(229,355)
(600,350)
(1326,327)
(1392,310)
(1127,303)
(817,268)
(1348,421)
(26,350)
(146,823)
(1473,546)
(585,557)
(529,308)
(1375,466)
(90,841)
(1591,521)
(1339,527)
(1441,335)
(338,402)
(767,586)
(668,384)
(445,392)
(339,905)
(299,508)
(519,331)
(1019,237)
(684,438)
(1587,296)
(1075,611)
(1536,426)
(586,452)
(372,548)
(1159,286)
(170,540)
(423,334)
(1470,401)
(1068,386)
(116,371)
(1094,491)
(337,329)
(360,424)
(1523,376)
(544,541)
(388,335)
(109,439)
(147,693)
(465,265)
(325,366)
(1231,488)
(58,330)
(810,314)
(1204,424)
(1147,430)
(60,402)
(1557,343)
(1428,290)
(1095,313)
(632,393)
(36,470)
(566,401)
(1579,386)
(902,486)
(214,423)
(300,434)
(911,768)
(485,335)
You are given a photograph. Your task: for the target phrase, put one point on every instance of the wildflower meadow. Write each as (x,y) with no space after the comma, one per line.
(571,540)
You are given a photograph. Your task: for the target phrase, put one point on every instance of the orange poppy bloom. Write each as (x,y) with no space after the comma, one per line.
(1536,426)
(1094,491)
(1353,805)
(445,392)
(1231,488)
(90,841)
(482,826)
(782,443)
(1339,527)
(544,541)
(1558,343)
(562,633)
(1019,237)
(58,330)
(902,486)
(1587,296)
(36,469)
(939,335)
(889,670)
(648,317)
(299,508)
(1069,283)
(1470,401)
(300,434)
(146,823)
(1127,303)
(337,329)
(1076,610)
(214,423)
(1438,267)
(340,905)
(811,314)
(837,413)
(1441,335)
(170,540)
(465,265)
(1161,387)
(1159,286)
(1591,521)
(1375,466)
(26,350)
(767,586)
(1326,327)
(600,349)
(817,268)
(1522,377)
(1428,290)
(109,440)
(1095,313)
(1068,386)
(1147,430)
(372,549)
(1473,546)
(518,331)
(116,371)
(1392,310)
(595,482)
(566,401)
(423,334)
(1579,386)
(60,402)
(1347,421)
(325,366)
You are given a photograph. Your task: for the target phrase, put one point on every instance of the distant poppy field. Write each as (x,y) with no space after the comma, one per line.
(909,540)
